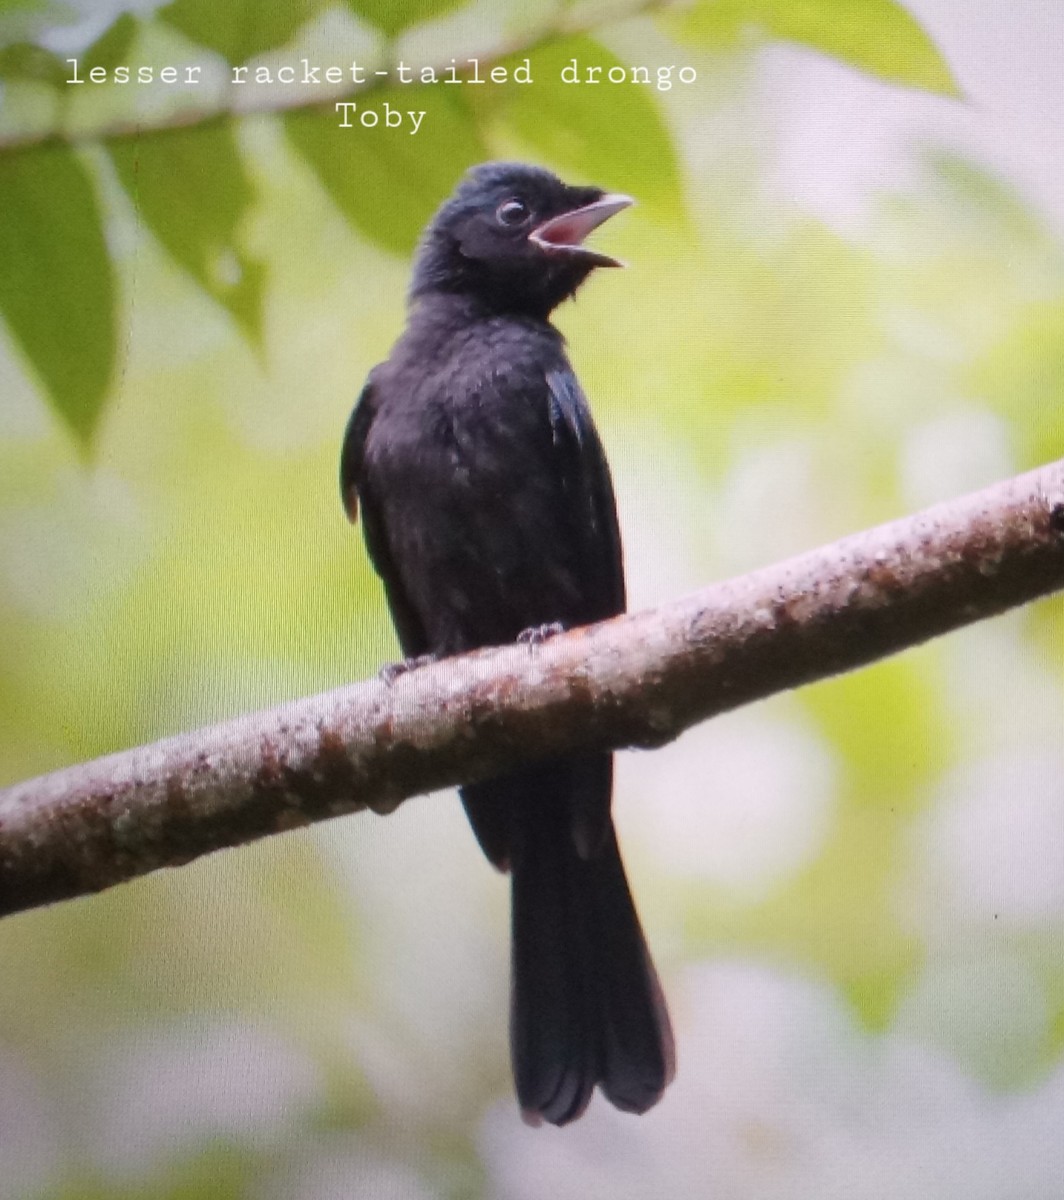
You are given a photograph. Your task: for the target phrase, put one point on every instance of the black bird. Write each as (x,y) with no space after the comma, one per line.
(488,512)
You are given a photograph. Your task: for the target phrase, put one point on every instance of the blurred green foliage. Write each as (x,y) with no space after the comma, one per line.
(382,164)
(239,31)
(324,1014)
(192,191)
(52,230)
(190,187)
(880,36)
(584,130)
(393,16)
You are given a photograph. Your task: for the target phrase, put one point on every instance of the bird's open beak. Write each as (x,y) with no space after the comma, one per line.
(565,234)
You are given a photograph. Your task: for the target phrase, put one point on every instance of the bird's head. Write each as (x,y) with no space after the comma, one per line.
(512,236)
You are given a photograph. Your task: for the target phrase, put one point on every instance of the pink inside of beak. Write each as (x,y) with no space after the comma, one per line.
(570,229)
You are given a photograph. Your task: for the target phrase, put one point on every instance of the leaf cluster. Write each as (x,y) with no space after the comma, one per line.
(187,175)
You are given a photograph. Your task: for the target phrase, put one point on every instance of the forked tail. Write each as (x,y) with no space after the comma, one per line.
(586,1005)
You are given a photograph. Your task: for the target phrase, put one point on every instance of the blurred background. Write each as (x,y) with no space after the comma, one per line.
(845,302)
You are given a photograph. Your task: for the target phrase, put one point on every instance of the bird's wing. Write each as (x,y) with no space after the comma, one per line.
(585,477)
(356,493)
(354,450)
(581,470)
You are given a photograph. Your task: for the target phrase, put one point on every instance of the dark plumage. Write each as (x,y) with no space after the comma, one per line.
(488,510)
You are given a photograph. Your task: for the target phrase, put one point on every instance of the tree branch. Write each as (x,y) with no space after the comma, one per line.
(638,680)
(325,96)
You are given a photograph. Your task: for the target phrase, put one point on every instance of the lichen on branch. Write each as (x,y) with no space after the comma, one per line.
(636,680)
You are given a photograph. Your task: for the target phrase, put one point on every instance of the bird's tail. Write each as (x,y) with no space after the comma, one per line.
(587,1007)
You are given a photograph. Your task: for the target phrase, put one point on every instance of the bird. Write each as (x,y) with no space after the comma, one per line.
(488,511)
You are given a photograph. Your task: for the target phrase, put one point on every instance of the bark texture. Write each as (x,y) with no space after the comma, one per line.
(637,680)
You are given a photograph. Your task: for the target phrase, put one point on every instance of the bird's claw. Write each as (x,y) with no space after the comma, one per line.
(390,672)
(535,635)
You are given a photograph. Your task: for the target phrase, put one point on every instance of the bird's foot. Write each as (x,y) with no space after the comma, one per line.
(390,672)
(535,635)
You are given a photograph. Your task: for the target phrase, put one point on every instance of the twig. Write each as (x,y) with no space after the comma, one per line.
(638,680)
(324,97)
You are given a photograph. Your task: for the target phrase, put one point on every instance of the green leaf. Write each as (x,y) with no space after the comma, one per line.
(386,182)
(56,285)
(877,36)
(240,29)
(609,134)
(112,47)
(32,64)
(191,189)
(393,16)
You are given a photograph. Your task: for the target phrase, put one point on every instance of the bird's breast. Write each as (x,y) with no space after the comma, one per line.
(474,507)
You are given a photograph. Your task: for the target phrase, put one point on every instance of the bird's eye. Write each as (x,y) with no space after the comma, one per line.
(512,212)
